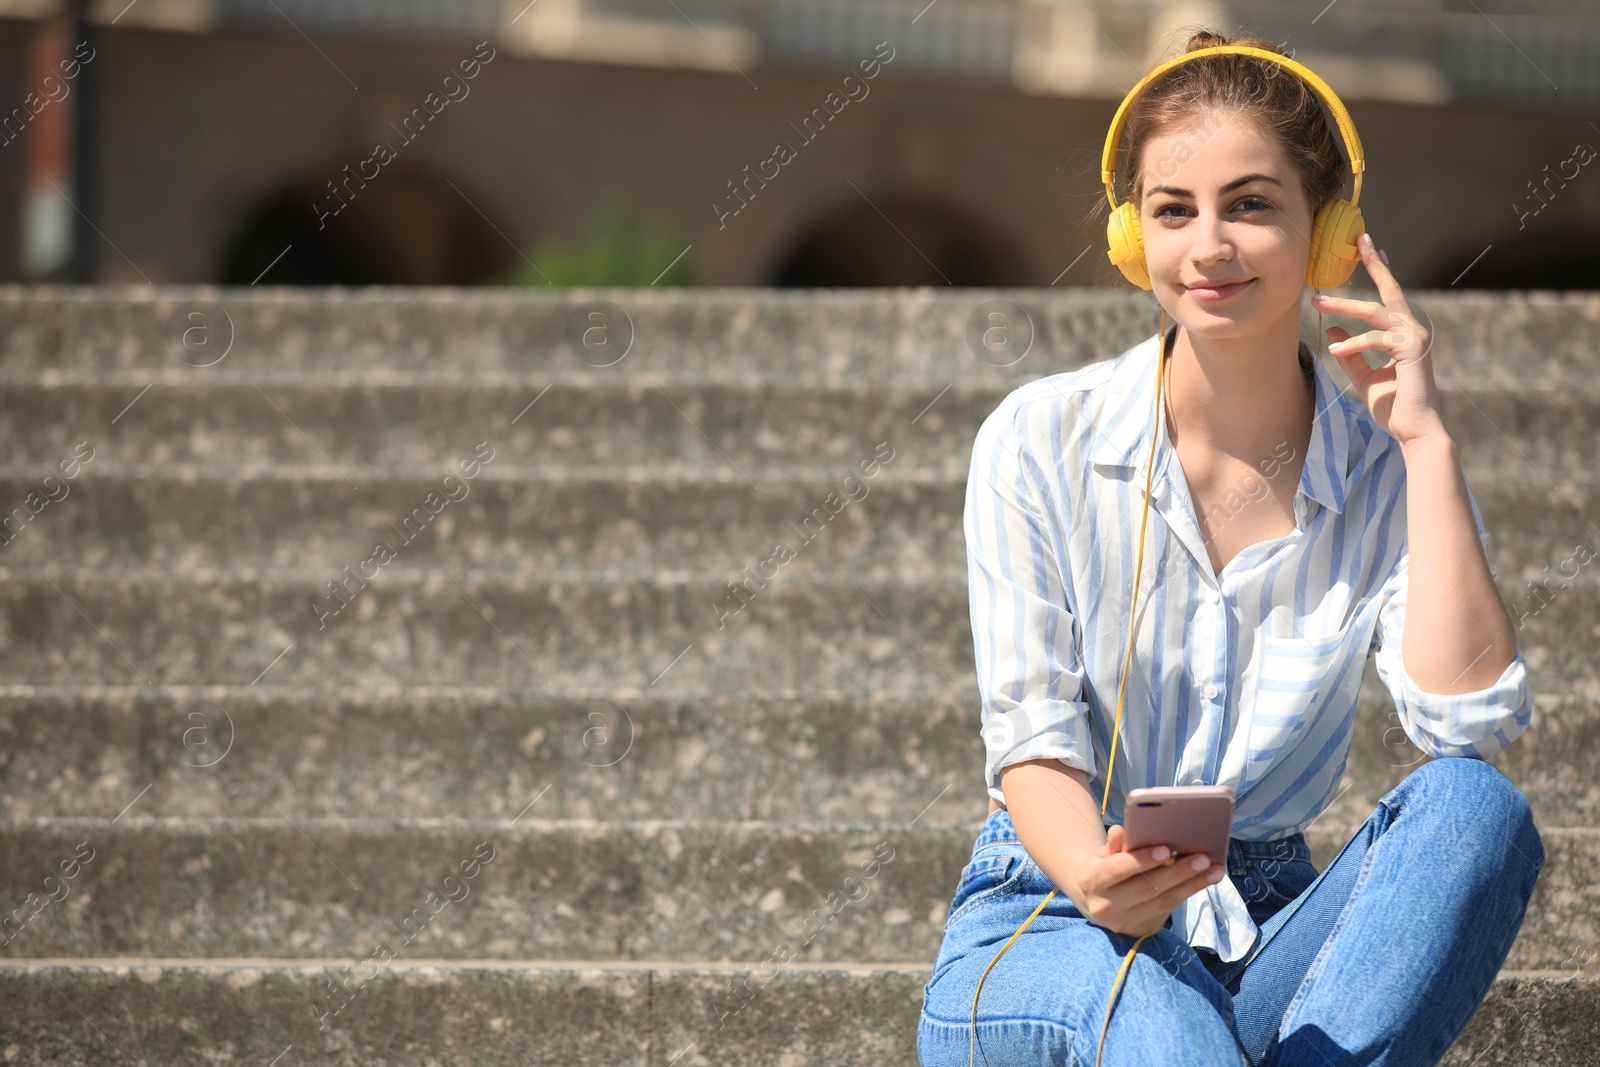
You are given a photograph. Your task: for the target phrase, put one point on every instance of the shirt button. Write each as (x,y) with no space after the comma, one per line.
(1210,691)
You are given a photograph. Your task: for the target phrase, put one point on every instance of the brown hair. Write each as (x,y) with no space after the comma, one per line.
(1285,107)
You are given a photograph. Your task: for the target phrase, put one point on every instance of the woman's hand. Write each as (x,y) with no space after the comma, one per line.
(1400,394)
(1134,892)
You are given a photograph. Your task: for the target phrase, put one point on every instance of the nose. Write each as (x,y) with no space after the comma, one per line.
(1209,242)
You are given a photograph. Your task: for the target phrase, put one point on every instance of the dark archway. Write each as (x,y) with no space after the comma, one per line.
(401,228)
(1568,261)
(900,239)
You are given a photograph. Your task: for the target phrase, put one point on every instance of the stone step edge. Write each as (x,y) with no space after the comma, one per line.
(496,382)
(378,695)
(134,294)
(277,577)
(223,965)
(178,474)
(531,825)
(1586,583)
(108,472)
(291,964)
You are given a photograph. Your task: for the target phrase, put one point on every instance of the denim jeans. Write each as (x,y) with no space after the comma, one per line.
(1379,959)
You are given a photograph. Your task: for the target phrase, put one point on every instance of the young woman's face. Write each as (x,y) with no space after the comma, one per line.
(1226,256)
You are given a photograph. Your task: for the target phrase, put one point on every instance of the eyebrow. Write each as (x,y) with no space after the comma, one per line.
(1230,187)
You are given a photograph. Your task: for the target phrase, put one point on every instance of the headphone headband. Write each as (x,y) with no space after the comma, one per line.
(1347,128)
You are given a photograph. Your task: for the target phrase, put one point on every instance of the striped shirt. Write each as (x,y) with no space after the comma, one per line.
(1252,674)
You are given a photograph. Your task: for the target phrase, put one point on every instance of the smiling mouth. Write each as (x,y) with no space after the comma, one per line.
(1219,292)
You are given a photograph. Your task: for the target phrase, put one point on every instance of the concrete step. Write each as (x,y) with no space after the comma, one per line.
(837,336)
(483,754)
(479,628)
(351,421)
(584,632)
(513,521)
(655,1014)
(854,336)
(905,522)
(307,420)
(557,889)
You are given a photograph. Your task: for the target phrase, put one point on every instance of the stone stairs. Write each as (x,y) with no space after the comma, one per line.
(538,784)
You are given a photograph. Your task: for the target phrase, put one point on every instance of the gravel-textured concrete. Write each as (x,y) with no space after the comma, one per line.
(802,756)
(1508,339)
(904,522)
(172,1012)
(675,889)
(178,1014)
(578,631)
(346,423)
(671,779)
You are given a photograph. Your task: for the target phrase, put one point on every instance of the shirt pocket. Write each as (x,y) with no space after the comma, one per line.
(1293,676)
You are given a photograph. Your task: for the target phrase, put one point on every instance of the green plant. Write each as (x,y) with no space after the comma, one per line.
(621,249)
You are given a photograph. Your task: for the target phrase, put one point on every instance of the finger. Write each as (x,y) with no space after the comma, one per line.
(1361,374)
(1117,842)
(1136,887)
(1388,288)
(1187,888)
(1367,310)
(1369,341)
(1388,343)
(1348,306)
(1118,865)
(1164,890)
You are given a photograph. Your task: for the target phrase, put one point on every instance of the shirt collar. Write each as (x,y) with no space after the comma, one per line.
(1127,413)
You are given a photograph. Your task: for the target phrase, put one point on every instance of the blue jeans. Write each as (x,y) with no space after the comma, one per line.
(1379,959)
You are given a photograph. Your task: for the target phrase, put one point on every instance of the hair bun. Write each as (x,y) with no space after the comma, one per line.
(1207,39)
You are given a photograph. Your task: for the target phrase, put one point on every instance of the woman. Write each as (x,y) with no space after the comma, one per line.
(1277,559)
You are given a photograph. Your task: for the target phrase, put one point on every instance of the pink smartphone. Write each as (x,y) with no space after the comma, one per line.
(1185,818)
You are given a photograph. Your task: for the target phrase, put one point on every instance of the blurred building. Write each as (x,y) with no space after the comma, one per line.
(789,142)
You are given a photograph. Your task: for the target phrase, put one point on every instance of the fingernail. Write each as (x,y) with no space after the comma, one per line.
(1383,256)
(1214,877)
(1365,239)
(1160,852)
(1200,863)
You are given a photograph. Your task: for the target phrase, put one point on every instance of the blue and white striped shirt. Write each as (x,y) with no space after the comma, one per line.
(1252,674)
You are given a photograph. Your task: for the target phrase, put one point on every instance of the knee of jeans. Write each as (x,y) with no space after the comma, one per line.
(1479,779)
(1494,797)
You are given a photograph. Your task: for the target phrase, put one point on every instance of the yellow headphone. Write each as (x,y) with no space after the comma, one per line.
(1333,260)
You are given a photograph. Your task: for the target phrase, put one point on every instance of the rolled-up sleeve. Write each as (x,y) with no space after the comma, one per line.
(1029,672)
(1476,724)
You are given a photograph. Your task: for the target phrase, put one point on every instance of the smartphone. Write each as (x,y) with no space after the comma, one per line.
(1185,818)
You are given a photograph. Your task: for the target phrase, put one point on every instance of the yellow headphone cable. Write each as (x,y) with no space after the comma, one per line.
(1116,723)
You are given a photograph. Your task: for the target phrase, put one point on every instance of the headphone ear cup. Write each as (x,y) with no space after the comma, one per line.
(1125,244)
(1333,244)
